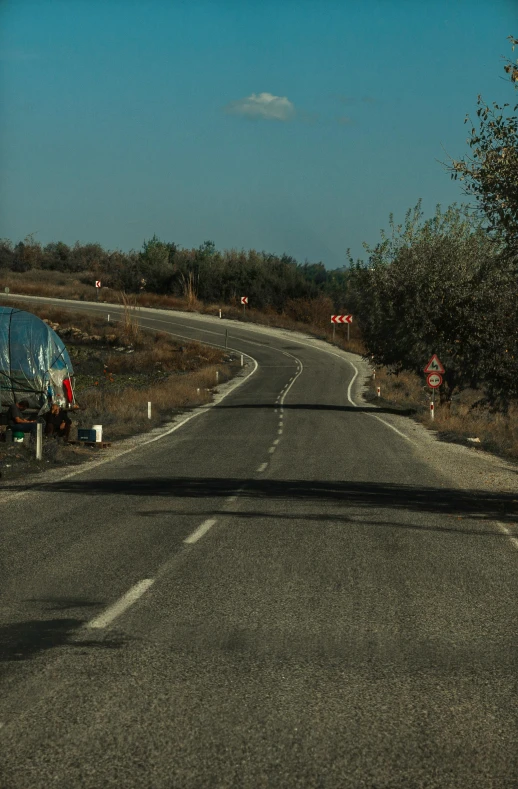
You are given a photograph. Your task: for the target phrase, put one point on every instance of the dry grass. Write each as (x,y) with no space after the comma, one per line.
(53,284)
(127,415)
(131,330)
(461,421)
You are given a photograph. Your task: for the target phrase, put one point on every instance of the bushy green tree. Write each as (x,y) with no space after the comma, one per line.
(441,286)
(157,265)
(490,174)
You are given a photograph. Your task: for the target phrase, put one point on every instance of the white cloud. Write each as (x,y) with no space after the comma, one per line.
(264,106)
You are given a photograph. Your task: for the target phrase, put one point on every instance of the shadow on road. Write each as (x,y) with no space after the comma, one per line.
(318,519)
(324,407)
(24,640)
(412,498)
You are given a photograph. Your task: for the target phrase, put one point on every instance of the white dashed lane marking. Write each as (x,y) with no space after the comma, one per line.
(200,531)
(118,608)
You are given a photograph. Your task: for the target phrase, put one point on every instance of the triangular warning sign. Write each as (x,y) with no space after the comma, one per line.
(434,365)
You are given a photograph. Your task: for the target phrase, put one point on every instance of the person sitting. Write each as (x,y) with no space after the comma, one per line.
(16,421)
(57,422)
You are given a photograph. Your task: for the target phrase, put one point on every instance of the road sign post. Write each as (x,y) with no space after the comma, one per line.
(348,319)
(434,365)
(244,302)
(434,380)
(97,288)
(433,372)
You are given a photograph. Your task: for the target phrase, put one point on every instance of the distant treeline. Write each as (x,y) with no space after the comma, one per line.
(270,281)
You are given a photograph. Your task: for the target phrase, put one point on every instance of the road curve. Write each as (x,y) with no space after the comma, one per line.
(282,593)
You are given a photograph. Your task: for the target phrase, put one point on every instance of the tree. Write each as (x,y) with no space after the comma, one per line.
(157,264)
(6,253)
(441,286)
(490,174)
(27,255)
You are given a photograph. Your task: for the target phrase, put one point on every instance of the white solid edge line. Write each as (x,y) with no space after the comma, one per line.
(118,608)
(349,389)
(200,531)
(353,379)
(391,427)
(92,465)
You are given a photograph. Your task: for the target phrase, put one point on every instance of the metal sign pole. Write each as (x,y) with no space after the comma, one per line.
(348,331)
(334,332)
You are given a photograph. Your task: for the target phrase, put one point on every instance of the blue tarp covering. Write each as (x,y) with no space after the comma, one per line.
(34,361)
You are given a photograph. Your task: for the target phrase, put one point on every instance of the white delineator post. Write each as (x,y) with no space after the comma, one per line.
(242,360)
(432,410)
(379,391)
(220,313)
(149,410)
(39,441)
(217,376)
(108,317)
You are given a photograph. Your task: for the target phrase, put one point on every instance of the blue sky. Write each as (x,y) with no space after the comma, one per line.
(288,126)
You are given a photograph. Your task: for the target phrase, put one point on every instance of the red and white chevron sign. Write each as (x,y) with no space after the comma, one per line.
(341,318)
(244,299)
(97,283)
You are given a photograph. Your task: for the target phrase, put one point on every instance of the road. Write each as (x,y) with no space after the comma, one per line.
(282,593)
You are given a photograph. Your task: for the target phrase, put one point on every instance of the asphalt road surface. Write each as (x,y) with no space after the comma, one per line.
(281,593)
